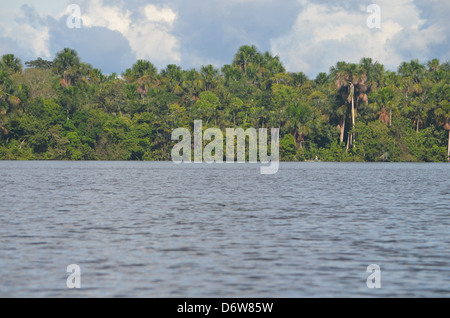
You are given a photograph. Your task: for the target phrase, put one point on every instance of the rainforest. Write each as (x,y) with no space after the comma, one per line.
(66,109)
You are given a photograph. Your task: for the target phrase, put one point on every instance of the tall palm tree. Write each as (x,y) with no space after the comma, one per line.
(374,72)
(349,79)
(66,64)
(143,74)
(385,99)
(435,71)
(414,84)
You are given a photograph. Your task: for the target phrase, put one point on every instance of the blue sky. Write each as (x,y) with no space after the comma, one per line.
(309,36)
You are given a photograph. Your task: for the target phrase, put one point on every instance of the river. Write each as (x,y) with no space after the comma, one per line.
(149,229)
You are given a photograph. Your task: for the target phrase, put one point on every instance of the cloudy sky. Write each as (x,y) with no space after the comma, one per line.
(309,36)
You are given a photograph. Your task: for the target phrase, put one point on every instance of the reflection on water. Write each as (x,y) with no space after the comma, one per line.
(141,229)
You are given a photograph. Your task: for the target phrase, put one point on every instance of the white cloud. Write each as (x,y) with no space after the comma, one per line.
(148,30)
(32,38)
(324,34)
(309,36)
(37,39)
(160,15)
(113,18)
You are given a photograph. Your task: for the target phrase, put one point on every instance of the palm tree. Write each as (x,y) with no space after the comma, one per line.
(299,79)
(321,79)
(385,99)
(435,71)
(433,65)
(7,92)
(143,74)
(12,63)
(95,75)
(230,74)
(6,95)
(272,64)
(209,76)
(374,73)
(349,78)
(140,69)
(66,64)
(172,75)
(391,82)
(415,86)
(192,83)
(244,56)
(413,72)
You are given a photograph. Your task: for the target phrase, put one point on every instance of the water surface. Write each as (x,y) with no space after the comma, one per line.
(145,229)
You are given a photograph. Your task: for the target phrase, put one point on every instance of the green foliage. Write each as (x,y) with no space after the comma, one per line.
(376,142)
(67,110)
(206,106)
(288,148)
(46,110)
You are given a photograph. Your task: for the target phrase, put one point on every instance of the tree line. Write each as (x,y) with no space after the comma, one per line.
(67,109)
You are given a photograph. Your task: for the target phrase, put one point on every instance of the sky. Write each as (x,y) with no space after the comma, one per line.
(308,36)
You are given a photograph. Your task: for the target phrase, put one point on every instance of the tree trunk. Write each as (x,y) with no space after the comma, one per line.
(353,119)
(417,126)
(353,106)
(348,141)
(390,118)
(342,130)
(448,152)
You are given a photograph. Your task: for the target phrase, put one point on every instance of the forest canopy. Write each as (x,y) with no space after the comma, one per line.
(66,109)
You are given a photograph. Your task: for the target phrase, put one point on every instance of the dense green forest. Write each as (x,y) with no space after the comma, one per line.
(66,109)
